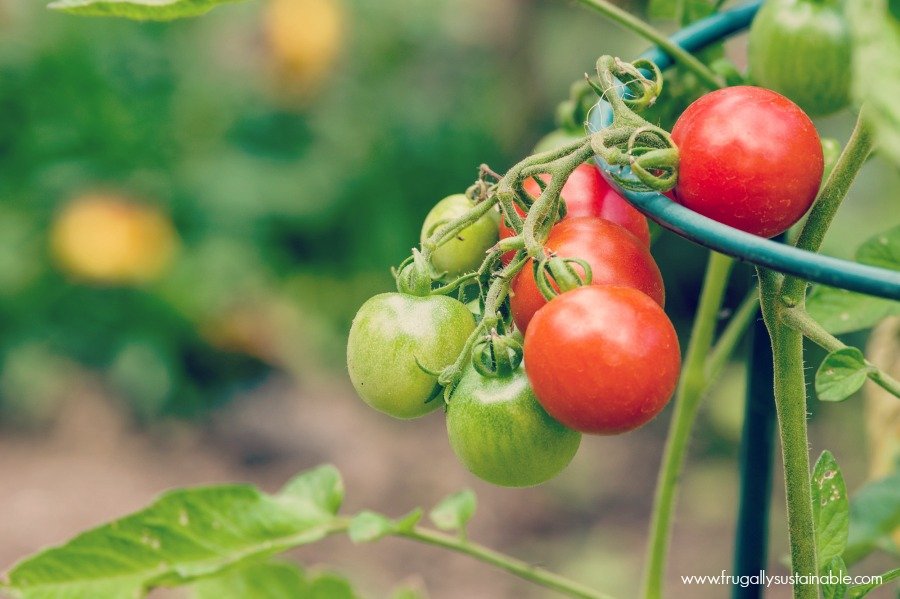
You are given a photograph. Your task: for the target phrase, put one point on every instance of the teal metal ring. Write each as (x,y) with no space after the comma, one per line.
(777,256)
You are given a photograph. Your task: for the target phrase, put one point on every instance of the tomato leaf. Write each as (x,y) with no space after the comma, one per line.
(876,72)
(837,588)
(864,589)
(186,534)
(368,526)
(841,374)
(454,511)
(831,509)
(874,514)
(840,311)
(272,580)
(140,10)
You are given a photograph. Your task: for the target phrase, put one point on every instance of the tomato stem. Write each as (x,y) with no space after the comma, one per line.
(848,165)
(653,35)
(790,405)
(690,391)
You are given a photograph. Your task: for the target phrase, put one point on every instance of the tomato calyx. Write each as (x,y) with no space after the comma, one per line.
(630,141)
(495,355)
(554,275)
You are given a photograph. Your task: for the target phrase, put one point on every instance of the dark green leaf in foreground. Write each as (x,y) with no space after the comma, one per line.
(141,10)
(841,374)
(831,509)
(835,588)
(273,580)
(186,534)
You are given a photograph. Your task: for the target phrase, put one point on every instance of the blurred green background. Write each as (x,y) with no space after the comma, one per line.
(191,210)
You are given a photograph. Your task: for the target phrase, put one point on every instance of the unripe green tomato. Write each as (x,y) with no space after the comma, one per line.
(501,433)
(465,252)
(802,49)
(393,330)
(557,139)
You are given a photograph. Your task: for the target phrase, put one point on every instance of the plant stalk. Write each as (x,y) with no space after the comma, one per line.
(687,399)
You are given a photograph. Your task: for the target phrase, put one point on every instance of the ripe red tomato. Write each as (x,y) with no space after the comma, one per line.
(602,359)
(616,257)
(749,158)
(587,193)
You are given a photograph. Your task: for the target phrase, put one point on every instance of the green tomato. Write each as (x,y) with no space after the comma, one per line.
(802,49)
(393,330)
(465,252)
(500,432)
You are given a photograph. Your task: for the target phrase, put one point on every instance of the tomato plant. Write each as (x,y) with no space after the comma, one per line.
(522,376)
(465,251)
(630,345)
(802,49)
(615,256)
(749,158)
(393,337)
(500,432)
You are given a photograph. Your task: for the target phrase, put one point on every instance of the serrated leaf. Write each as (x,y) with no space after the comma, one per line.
(874,514)
(882,250)
(831,509)
(841,374)
(265,580)
(454,511)
(184,535)
(369,526)
(834,587)
(864,589)
(876,72)
(840,311)
(140,10)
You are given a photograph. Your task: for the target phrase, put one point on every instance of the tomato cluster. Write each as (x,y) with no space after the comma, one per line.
(601,359)
(557,326)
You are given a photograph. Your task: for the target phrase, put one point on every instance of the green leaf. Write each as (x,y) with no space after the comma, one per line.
(862,590)
(841,374)
(684,11)
(874,514)
(140,10)
(835,587)
(840,311)
(265,580)
(185,534)
(882,250)
(454,511)
(831,509)
(368,526)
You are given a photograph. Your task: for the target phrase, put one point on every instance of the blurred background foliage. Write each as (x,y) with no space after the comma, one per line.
(188,206)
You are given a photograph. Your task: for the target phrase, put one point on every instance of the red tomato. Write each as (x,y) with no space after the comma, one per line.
(602,359)
(616,257)
(749,158)
(587,193)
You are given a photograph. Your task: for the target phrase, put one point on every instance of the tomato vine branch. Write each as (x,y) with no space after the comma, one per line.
(800,320)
